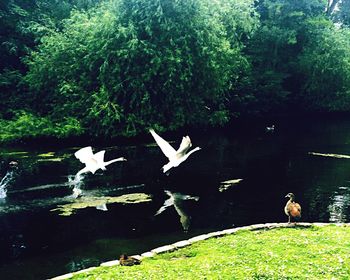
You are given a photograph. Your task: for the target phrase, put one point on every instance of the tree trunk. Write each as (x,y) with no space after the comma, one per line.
(331,6)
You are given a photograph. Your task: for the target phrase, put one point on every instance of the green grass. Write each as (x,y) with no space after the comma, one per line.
(285,253)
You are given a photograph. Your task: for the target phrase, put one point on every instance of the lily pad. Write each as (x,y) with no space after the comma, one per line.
(95,201)
(51,159)
(49,154)
(329,155)
(149,145)
(227,184)
(14,153)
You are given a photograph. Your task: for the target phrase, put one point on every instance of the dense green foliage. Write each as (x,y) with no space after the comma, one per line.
(288,253)
(118,67)
(22,24)
(129,65)
(325,64)
(26,125)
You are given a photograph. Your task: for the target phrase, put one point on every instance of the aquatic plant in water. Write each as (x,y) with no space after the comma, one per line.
(95,201)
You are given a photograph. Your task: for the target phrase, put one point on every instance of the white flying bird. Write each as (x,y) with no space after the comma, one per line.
(175,157)
(93,161)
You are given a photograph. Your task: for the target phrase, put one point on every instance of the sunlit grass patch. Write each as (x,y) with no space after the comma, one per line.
(284,253)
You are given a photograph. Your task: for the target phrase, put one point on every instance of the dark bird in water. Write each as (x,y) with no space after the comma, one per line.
(13,163)
(292,209)
(128,261)
(270,128)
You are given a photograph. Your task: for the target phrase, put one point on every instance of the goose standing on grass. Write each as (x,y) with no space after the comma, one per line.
(93,161)
(175,157)
(292,209)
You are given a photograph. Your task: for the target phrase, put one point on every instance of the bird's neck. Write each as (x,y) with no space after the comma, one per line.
(192,151)
(105,163)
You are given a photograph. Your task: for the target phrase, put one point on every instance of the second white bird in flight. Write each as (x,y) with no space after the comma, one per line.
(175,157)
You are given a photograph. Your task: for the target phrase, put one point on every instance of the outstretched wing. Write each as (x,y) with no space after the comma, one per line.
(184,146)
(294,210)
(84,154)
(91,160)
(167,203)
(166,148)
(99,157)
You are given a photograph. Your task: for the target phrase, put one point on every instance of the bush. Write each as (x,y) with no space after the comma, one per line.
(26,125)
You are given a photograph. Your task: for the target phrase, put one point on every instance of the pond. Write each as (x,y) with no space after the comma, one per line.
(132,207)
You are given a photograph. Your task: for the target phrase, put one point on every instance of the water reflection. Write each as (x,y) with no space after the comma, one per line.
(176,200)
(272,164)
(8,179)
(3,185)
(102,207)
(79,264)
(18,246)
(76,182)
(339,206)
(41,187)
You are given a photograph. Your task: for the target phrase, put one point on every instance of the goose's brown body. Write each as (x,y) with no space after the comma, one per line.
(292,209)
(128,261)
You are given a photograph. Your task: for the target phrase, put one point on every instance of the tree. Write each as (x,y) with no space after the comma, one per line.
(22,24)
(129,65)
(275,80)
(342,14)
(331,6)
(325,64)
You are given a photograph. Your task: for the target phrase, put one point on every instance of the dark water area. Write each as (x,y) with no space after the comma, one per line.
(38,243)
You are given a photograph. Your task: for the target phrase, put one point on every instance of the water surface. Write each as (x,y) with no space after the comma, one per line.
(37,243)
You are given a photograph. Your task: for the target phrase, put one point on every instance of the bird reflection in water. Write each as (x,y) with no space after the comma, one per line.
(102,207)
(338,206)
(176,200)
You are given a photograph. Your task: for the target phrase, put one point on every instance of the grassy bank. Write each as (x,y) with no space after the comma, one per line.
(283,253)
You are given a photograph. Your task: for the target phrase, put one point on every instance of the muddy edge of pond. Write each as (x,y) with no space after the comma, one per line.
(184,243)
